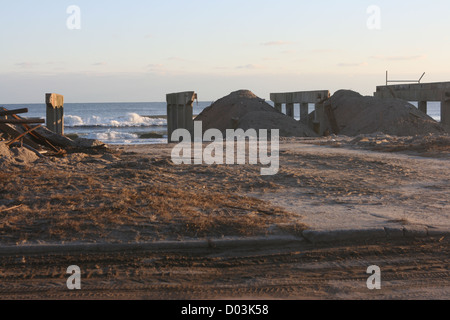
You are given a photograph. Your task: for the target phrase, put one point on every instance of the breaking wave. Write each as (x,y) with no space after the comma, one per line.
(130,120)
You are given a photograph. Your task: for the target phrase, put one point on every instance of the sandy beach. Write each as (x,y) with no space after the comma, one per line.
(135,194)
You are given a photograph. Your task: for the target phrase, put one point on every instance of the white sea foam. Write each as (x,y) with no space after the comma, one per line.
(112,135)
(130,120)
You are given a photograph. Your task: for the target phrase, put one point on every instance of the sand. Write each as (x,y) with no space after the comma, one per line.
(18,156)
(243,109)
(134,194)
(356,114)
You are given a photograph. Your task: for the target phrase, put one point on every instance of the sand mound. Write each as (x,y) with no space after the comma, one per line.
(244,110)
(356,114)
(15,155)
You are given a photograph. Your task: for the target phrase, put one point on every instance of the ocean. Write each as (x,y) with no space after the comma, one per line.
(131,123)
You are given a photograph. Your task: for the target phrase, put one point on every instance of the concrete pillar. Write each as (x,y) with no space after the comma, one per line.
(180,112)
(55,112)
(304,112)
(319,120)
(445,109)
(423,106)
(279,107)
(290,110)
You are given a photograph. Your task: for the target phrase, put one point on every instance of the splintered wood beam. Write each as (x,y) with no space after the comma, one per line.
(11,112)
(22,121)
(22,135)
(35,135)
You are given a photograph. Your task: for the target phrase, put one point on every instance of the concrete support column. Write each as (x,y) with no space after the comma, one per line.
(445,109)
(55,112)
(304,112)
(279,107)
(423,106)
(290,110)
(180,112)
(319,121)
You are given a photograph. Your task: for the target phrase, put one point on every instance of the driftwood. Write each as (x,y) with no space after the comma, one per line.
(12,208)
(17,144)
(54,138)
(11,112)
(22,121)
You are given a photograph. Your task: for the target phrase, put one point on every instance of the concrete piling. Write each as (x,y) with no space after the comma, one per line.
(55,112)
(304,112)
(180,112)
(290,110)
(279,107)
(423,106)
(303,98)
(422,93)
(445,109)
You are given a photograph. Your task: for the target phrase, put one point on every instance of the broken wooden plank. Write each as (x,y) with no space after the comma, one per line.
(12,131)
(22,121)
(22,135)
(11,112)
(36,136)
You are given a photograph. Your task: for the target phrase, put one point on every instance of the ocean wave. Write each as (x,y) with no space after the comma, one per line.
(130,120)
(112,135)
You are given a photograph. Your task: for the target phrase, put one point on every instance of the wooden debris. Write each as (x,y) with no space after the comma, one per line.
(11,112)
(12,208)
(22,121)
(22,135)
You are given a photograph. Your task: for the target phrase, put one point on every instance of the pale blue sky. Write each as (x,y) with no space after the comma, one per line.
(140,50)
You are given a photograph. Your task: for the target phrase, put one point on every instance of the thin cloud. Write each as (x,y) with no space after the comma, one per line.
(157,68)
(26,65)
(349,65)
(289,52)
(276,43)
(399,58)
(98,64)
(250,67)
(178,59)
(322,51)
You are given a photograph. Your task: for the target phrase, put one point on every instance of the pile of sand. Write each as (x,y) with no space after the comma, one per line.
(355,114)
(18,156)
(244,110)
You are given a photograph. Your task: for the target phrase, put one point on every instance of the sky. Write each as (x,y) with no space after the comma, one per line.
(138,51)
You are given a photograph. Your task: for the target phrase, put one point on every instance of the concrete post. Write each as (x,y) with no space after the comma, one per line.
(290,110)
(304,112)
(423,106)
(180,112)
(279,107)
(55,112)
(445,109)
(319,118)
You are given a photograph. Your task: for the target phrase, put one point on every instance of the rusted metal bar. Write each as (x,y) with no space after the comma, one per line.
(11,131)
(22,135)
(11,112)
